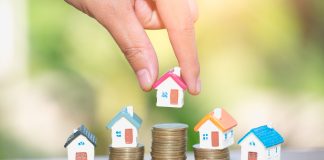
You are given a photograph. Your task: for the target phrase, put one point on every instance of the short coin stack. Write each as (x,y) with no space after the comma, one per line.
(169,141)
(210,154)
(126,153)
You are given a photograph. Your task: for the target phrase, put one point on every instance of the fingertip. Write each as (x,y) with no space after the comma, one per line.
(154,68)
(195,88)
(147,74)
(145,79)
(198,87)
(191,76)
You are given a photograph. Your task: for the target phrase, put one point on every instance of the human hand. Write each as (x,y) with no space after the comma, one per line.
(126,21)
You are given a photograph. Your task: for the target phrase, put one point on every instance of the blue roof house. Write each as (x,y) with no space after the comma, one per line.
(261,143)
(124,128)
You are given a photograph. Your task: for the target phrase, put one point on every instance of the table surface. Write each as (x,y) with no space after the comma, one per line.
(317,154)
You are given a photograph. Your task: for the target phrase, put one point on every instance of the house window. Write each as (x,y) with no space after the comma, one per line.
(225,136)
(232,133)
(276,149)
(269,152)
(118,133)
(252,143)
(164,94)
(81,143)
(205,137)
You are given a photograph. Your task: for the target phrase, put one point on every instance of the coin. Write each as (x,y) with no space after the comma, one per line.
(170,126)
(210,153)
(126,153)
(169,141)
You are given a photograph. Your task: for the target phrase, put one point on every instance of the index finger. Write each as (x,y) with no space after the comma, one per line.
(179,17)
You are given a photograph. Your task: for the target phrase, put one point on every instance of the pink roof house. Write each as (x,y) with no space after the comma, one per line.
(170,89)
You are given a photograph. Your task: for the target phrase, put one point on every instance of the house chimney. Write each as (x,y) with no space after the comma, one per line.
(217,113)
(129,110)
(176,70)
(269,125)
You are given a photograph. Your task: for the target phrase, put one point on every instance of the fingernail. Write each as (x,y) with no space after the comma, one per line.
(144,79)
(198,86)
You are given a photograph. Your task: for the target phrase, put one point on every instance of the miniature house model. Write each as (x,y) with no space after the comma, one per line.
(262,143)
(80,144)
(216,130)
(170,89)
(124,128)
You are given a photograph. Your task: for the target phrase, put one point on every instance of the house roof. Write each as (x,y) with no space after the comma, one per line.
(82,130)
(175,77)
(135,119)
(267,135)
(225,122)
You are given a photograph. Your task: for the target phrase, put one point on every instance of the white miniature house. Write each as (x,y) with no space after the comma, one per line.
(261,143)
(80,144)
(170,89)
(216,130)
(124,128)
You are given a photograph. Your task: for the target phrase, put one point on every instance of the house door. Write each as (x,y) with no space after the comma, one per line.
(129,136)
(174,95)
(215,139)
(81,156)
(253,156)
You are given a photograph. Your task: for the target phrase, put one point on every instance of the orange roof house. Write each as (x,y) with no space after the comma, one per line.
(216,129)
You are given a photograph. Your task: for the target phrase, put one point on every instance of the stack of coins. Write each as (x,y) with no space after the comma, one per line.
(210,154)
(126,153)
(169,141)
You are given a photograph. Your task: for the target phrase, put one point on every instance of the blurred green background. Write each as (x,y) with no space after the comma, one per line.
(263,61)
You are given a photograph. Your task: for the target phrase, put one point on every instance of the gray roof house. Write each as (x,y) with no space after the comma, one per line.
(82,130)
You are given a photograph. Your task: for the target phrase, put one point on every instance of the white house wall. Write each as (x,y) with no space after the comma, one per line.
(273,153)
(263,153)
(229,140)
(73,148)
(165,102)
(166,86)
(121,125)
(246,147)
(209,127)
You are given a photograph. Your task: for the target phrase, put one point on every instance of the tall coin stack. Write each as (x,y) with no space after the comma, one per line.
(126,153)
(210,154)
(169,141)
